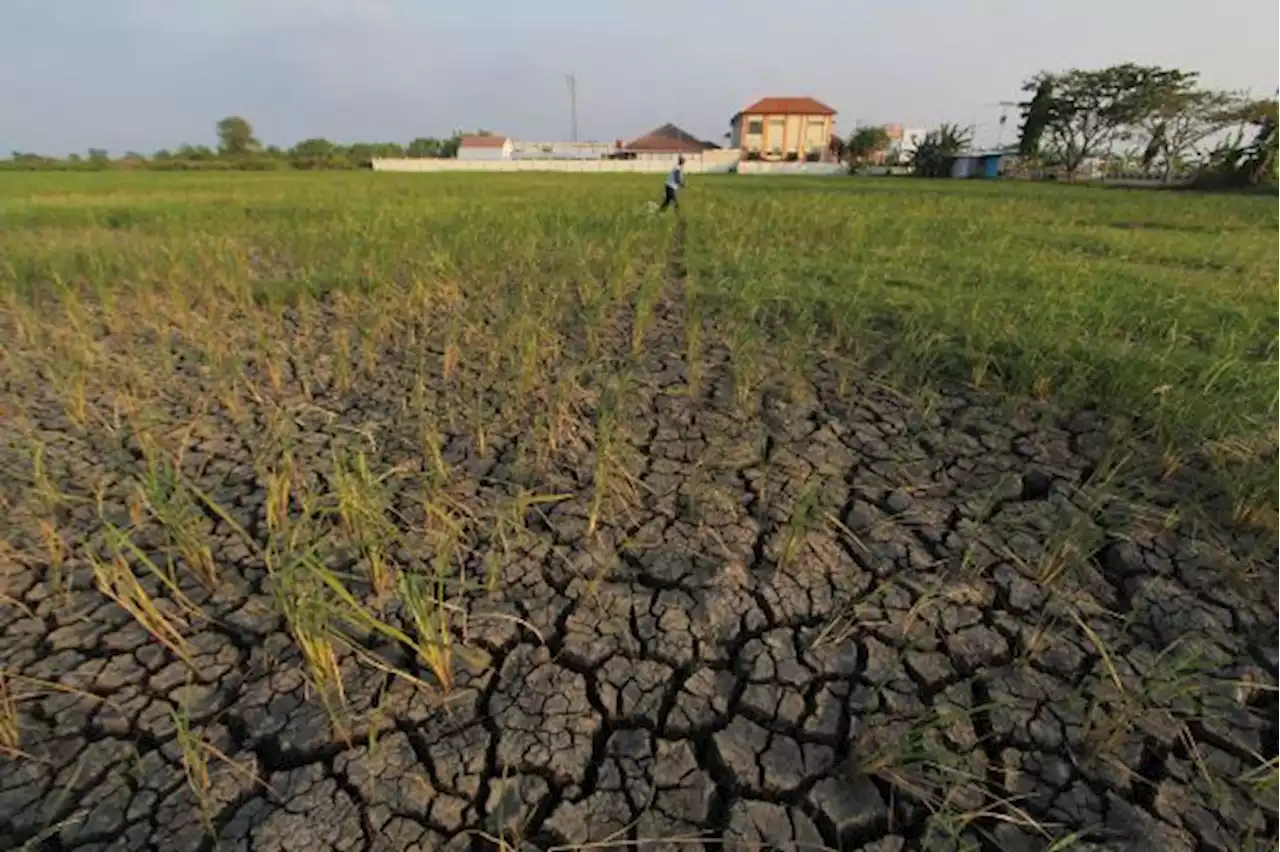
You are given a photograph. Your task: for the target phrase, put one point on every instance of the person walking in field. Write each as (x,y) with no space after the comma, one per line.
(675,183)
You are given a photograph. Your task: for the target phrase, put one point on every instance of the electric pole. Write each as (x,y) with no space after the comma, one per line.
(572,81)
(1004,117)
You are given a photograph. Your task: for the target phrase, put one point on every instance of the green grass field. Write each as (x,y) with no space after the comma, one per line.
(851,508)
(1153,304)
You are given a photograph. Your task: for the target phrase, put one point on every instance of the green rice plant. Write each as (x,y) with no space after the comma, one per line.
(642,312)
(745,362)
(432,616)
(195,766)
(509,528)
(610,480)
(362,507)
(161,491)
(805,514)
(279,487)
(48,497)
(309,616)
(693,340)
(195,753)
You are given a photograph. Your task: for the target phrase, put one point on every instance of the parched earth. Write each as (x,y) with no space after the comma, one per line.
(840,620)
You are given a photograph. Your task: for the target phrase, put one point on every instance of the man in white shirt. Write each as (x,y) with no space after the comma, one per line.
(675,182)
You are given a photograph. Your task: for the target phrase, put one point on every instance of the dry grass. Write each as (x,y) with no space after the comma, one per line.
(232,318)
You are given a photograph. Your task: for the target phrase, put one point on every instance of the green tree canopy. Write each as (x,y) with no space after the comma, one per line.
(1084,112)
(863,146)
(235,137)
(938,149)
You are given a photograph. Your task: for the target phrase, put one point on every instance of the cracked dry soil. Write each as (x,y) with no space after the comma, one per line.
(833,621)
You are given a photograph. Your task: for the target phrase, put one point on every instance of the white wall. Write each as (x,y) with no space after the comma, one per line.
(705,163)
(762,167)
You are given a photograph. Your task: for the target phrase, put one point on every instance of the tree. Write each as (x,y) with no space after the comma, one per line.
(449,147)
(427,146)
(98,158)
(1035,114)
(312,154)
(864,145)
(1180,119)
(235,137)
(1085,112)
(1236,164)
(835,147)
(195,153)
(938,149)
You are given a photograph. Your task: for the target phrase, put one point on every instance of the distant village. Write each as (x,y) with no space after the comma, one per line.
(771,135)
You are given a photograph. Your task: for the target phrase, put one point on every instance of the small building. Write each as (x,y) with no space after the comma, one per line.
(978,164)
(665,142)
(791,128)
(903,142)
(485,147)
(563,150)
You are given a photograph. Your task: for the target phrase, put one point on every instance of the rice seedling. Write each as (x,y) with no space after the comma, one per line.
(195,753)
(310,620)
(362,508)
(162,492)
(10,724)
(115,579)
(805,514)
(425,601)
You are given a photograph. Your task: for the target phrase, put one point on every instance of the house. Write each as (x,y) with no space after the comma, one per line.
(563,150)
(978,164)
(665,142)
(784,129)
(484,147)
(902,142)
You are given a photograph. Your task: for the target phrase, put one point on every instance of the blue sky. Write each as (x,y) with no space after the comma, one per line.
(147,74)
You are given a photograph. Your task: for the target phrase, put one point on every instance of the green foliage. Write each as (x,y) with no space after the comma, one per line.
(235,137)
(1036,114)
(430,146)
(1179,117)
(1084,112)
(1239,164)
(863,146)
(938,149)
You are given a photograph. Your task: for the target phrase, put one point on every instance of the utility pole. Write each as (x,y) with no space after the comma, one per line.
(573,105)
(1004,116)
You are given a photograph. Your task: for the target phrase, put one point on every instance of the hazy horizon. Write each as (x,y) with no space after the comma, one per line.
(140,75)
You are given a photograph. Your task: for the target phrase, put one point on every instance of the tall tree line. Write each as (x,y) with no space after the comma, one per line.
(239,149)
(1163,116)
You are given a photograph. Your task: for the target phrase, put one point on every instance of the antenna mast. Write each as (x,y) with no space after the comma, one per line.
(572,81)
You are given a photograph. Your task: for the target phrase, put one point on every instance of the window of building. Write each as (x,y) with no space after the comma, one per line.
(755,126)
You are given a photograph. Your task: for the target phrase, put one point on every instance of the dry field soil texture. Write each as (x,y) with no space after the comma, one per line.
(393,512)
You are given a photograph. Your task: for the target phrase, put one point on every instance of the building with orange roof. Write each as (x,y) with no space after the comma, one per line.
(784,128)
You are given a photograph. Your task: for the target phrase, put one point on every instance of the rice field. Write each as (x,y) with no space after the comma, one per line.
(373,511)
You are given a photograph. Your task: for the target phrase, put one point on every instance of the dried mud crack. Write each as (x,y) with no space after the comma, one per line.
(801,617)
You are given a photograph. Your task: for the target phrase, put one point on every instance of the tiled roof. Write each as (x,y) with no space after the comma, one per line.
(668,139)
(789,106)
(482,141)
